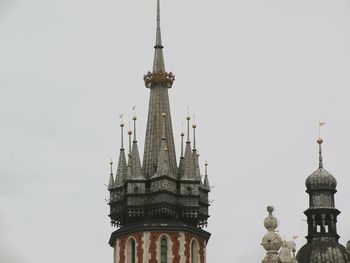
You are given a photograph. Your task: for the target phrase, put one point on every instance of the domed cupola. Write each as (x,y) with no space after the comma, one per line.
(321,179)
(322,239)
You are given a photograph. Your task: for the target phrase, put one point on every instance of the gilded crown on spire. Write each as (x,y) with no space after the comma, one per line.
(162,78)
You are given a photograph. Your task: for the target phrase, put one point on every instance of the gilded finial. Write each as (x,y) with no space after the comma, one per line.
(129,133)
(194,126)
(134,118)
(182,140)
(188,118)
(121,131)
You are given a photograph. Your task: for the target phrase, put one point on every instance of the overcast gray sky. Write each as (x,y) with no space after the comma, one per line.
(258,74)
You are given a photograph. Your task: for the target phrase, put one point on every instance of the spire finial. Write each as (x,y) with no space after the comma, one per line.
(194,126)
(129,133)
(111,165)
(188,118)
(158,65)
(320,141)
(134,118)
(158,14)
(182,140)
(122,131)
(206,168)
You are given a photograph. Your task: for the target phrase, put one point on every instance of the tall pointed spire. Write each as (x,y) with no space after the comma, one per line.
(158,63)
(159,81)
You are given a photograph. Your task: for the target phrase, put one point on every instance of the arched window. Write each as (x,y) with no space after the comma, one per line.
(194,251)
(131,251)
(163,250)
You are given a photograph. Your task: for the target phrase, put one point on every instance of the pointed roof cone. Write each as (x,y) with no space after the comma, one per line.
(181,163)
(158,63)
(111,178)
(122,169)
(189,161)
(129,170)
(163,167)
(206,180)
(136,170)
(122,165)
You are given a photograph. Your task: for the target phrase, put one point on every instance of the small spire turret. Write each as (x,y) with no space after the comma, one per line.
(189,161)
(111,178)
(206,179)
(122,165)
(181,163)
(135,165)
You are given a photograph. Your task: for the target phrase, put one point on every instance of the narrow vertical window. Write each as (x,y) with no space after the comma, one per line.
(131,251)
(194,251)
(163,250)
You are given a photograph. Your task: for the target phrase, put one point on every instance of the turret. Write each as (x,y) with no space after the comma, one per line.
(322,239)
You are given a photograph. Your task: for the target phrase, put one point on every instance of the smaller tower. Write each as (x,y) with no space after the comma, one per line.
(271,242)
(322,239)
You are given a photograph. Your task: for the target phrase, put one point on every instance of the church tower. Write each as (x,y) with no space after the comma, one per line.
(159,207)
(322,239)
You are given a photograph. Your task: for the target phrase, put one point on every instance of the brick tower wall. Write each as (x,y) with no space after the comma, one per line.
(147,247)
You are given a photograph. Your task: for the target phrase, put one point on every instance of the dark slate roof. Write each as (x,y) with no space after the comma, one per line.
(323,252)
(321,179)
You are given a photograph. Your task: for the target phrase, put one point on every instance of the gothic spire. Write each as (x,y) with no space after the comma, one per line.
(206,180)
(136,170)
(189,161)
(111,179)
(158,63)
(181,163)
(159,82)
(122,166)
(128,173)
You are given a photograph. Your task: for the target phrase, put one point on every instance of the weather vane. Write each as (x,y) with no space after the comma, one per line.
(134,110)
(320,125)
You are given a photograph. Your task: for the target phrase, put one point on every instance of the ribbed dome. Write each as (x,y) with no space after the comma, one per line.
(321,179)
(323,252)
